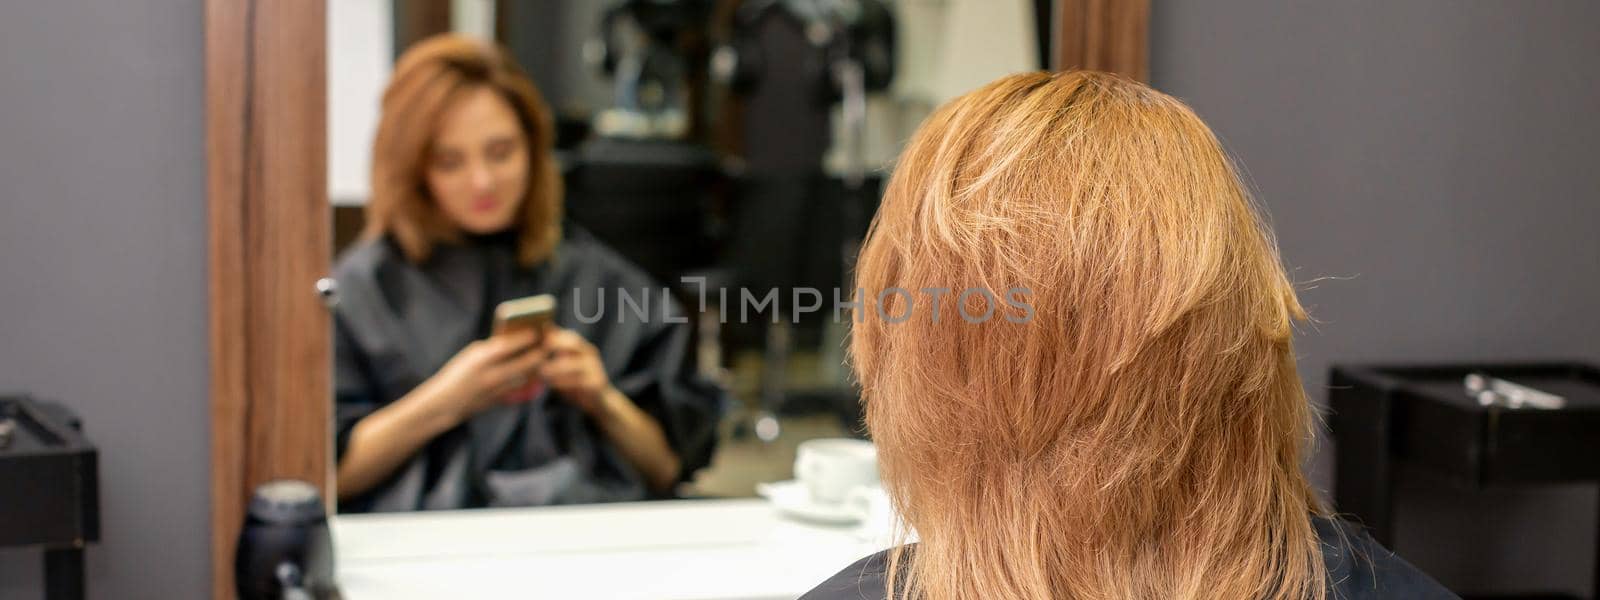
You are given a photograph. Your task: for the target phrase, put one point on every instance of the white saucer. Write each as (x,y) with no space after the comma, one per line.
(791,498)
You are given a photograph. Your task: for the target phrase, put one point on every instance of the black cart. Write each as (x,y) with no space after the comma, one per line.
(1427,417)
(52,497)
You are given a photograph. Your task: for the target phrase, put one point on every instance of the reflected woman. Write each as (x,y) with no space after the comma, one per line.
(431,411)
(1139,435)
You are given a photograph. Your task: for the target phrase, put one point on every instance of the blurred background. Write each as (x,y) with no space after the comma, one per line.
(717,141)
(1428,165)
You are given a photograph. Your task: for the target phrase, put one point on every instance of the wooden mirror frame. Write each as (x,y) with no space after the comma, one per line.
(269,220)
(270,235)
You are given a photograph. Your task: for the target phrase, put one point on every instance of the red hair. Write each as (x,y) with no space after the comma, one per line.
(428,79)
(1141,435)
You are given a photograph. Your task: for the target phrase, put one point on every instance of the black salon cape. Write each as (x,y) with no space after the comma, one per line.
(1358,569)
(397,323)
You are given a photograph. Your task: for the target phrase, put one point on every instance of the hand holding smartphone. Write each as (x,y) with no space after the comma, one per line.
(535,313)
(532,313)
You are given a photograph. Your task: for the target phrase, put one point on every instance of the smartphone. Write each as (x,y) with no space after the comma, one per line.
(533,312)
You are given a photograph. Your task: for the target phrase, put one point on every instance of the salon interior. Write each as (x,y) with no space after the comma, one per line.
(396,299)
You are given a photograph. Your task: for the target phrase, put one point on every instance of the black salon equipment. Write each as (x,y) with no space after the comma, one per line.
(1494,391)
(640,47)
(43,453)
(837,31)
(655,202)
(771,218)
(285,550)
(790,62)
(1393,421)
(651,200)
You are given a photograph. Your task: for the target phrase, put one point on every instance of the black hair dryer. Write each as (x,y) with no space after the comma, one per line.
(285,551)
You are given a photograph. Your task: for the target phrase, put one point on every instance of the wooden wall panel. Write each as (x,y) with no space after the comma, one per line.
(269,220)
(1103,35)
(417,20)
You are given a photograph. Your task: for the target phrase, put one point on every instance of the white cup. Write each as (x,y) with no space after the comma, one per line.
(830,468)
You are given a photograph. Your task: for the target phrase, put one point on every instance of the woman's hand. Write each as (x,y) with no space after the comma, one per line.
(480,376)
(574,370)
(488,373)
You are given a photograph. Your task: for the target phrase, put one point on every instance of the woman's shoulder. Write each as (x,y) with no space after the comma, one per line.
(364,258)
(583,251)
(864,579)
(580,248)
(1359,568)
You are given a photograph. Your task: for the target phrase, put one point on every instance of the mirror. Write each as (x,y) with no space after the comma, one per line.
(686,181)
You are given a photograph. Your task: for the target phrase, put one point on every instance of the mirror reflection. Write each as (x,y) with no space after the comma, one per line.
(593,251)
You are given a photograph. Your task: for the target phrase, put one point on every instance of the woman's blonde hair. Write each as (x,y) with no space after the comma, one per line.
(1141,434)
(428,79)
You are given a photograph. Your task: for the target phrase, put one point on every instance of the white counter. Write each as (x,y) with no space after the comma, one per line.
(682,549)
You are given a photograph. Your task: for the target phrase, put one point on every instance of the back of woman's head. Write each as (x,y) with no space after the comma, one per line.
(1136,430)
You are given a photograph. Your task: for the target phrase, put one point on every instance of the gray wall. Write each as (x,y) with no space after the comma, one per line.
(1436,162)
(103,271)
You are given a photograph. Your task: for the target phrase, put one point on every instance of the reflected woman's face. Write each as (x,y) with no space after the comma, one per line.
(477,169)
